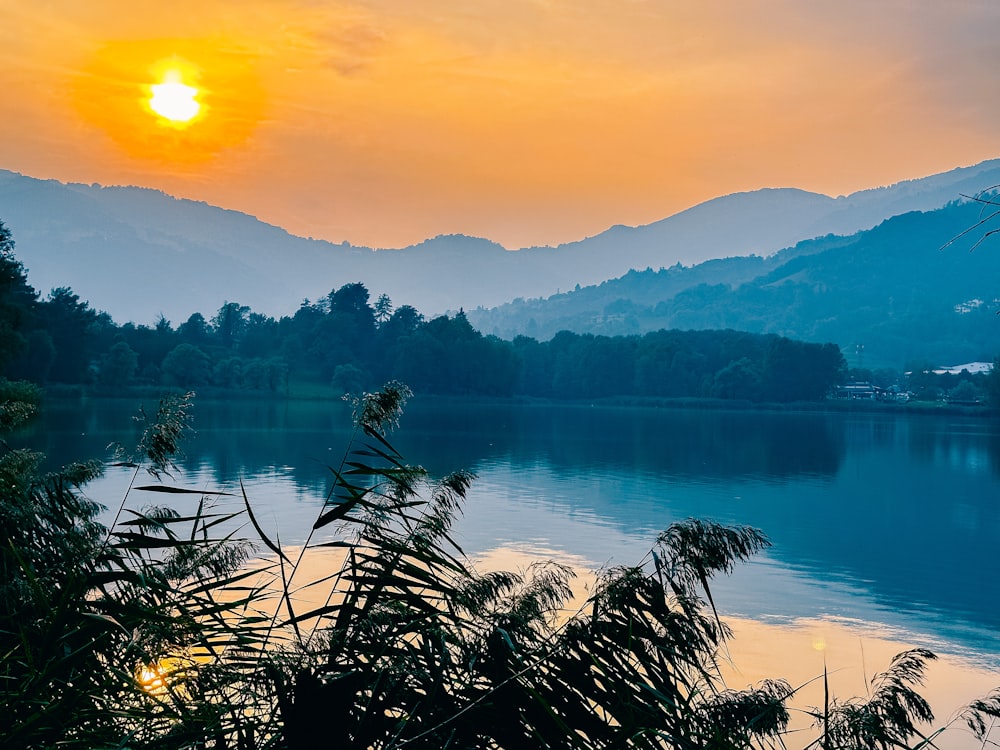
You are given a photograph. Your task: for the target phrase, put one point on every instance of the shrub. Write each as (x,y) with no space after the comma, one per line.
(154,634)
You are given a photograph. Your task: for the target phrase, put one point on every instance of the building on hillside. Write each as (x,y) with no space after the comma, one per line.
(973,368)
(857,391)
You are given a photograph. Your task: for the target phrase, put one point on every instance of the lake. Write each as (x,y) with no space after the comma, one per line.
(884,526)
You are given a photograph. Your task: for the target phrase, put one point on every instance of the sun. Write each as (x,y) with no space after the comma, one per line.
(175,103)
(174,100)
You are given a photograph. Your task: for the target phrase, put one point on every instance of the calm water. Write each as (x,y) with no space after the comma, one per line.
(874,519)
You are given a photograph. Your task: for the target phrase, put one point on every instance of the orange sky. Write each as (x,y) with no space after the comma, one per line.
(384,122)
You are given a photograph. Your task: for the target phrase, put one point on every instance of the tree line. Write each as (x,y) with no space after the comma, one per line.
(352,343)
(892,289)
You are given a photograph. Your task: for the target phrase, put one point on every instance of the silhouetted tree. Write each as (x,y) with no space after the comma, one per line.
(405,320)
(264,374)
(992,384)
(354,317)
(348,379)
(195,330)
(118,366)
(35,360)
(230,323)
(17,299)
(69,321)
(737,380)
(966,392)
(796,371)
(228,372)
(187,366)
(383,309)
(261,337)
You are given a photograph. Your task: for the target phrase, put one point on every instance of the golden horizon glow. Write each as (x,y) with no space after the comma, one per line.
(853,651)
(530,122)
(174,100)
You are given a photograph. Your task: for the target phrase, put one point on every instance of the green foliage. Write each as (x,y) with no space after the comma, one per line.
(347,379)
(738,380)
(966,392)
(72,325)
(131,637)
(118,366)
(157,634)
(230,323)
(17,299)
(888,718)
(49,632)
(448,356)
(161,437)
(908,288)
(187,366)
(342,339)
(416,648)
(992,384)
(672,364)
(796,371)
(382,310)
(19,401)
(194,330)
(249,374)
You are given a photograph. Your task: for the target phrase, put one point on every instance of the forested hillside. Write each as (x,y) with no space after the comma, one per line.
(347,343)
(894,294)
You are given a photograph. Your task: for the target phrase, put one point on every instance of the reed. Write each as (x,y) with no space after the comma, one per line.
(156,633)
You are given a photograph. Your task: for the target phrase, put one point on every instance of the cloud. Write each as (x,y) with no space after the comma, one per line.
(352,47)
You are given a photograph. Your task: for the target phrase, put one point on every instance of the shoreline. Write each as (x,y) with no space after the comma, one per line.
(935,408)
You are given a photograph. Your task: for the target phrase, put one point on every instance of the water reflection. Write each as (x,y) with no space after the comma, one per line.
(708,445)
(882,518)
(852,652)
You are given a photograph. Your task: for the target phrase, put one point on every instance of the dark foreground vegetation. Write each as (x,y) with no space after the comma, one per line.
(346,342)
(160,632)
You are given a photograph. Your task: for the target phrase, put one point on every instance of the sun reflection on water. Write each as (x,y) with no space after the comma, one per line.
(851,652)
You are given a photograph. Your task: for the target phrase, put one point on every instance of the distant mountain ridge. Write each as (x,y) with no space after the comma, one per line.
(138,253)
(895,294)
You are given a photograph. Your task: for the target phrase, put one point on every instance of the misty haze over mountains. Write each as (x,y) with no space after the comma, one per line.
(905,292)
(137,253)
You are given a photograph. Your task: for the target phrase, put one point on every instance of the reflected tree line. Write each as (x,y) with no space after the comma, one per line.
(348,342)
(947,471)
(244,438)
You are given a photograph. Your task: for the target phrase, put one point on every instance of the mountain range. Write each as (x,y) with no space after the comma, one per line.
(138,253)
(912,290)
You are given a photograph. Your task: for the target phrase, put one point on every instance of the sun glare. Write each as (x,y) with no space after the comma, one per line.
(174,100)
(152,678)
(174,103)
